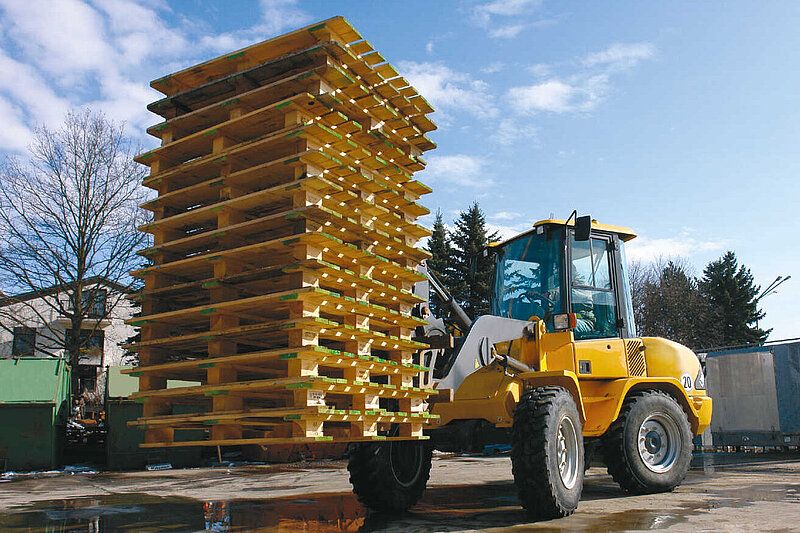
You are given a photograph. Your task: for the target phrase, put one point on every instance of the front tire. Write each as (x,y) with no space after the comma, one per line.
(648,448)
(389,477)
(547,453)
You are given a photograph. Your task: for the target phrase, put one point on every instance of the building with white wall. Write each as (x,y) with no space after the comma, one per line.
(32,327)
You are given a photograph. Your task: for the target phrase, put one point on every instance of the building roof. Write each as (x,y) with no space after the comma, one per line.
(56,289)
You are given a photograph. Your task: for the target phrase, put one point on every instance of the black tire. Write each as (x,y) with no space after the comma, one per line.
(545,490)
(389,477)
(666,444)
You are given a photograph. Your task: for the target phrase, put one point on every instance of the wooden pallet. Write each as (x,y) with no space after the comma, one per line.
(284,252)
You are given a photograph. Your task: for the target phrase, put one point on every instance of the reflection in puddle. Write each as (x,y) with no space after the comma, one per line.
(443,508)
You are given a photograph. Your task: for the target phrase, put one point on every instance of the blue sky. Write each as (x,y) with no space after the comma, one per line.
(677,119)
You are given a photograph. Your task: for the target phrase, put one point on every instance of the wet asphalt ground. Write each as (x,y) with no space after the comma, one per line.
(723,492)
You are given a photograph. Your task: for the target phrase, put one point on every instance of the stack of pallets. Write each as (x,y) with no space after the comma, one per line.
(283,257)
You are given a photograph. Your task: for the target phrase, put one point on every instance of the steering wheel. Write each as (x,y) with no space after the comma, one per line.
(548,308)
(534,295)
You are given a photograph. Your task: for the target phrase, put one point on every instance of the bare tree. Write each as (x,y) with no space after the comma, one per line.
(639,274)
(68,217)
(666,300)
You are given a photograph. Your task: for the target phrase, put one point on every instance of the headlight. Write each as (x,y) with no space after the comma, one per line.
(700,380)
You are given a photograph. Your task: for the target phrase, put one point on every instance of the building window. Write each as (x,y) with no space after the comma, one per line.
(87,377)
(93,301)
(24,341)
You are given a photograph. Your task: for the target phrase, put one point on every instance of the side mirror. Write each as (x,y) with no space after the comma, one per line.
(583,228)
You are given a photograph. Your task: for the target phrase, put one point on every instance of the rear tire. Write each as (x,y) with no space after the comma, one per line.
(547,453)
(389,477)
(648,448)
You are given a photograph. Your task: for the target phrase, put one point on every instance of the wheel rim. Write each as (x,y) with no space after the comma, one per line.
(659,442)
(405,459)
(567,444)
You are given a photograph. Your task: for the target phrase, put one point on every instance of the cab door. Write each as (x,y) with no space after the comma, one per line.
(592,282)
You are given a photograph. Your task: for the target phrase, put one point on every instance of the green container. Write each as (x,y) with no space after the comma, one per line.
(122,441)
(34,407)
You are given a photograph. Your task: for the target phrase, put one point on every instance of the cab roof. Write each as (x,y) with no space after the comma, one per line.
(625,234)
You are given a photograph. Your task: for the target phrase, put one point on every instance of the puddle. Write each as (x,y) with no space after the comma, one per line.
(443,508)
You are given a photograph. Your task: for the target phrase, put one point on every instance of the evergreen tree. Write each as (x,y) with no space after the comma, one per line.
(441,250)
(730,310)
(471,286)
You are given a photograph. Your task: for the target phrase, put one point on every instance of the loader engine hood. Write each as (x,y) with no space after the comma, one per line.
(668,359)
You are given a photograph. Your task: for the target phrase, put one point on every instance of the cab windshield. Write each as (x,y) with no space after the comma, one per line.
(527,280)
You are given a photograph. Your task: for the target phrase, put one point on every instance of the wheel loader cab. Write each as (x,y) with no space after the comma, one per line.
(547,272)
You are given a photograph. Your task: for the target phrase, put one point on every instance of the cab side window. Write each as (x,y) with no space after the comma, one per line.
(591,292)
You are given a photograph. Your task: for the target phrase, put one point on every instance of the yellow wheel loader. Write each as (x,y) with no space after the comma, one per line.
(557,371)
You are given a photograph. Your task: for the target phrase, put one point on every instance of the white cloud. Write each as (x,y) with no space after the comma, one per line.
(71,53)
(504,215)
(15,136)
(460,169)
(276,16)
(649,249)
(577,94)
(621,55)
(583,89)
(24,85)
(493,68)
(504,19)
(510,131)
(540,70)
(483,13)
(508,231)
(450,90)
(506,32)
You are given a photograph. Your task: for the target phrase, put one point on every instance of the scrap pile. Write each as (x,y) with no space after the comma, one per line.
(283,257)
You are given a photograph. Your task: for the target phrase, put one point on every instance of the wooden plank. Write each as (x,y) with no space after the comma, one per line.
(329,275)
(275,441)
(246,127)
(286,386)
(200,266)
(195,370)
(253,55)
(219,110)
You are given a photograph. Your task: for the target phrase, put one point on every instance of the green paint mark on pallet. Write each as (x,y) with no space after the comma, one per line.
(210,422)
(216,393)
(294,386)
(210,132)
(282,105)
(206,365)
(234,56)
(209,311)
